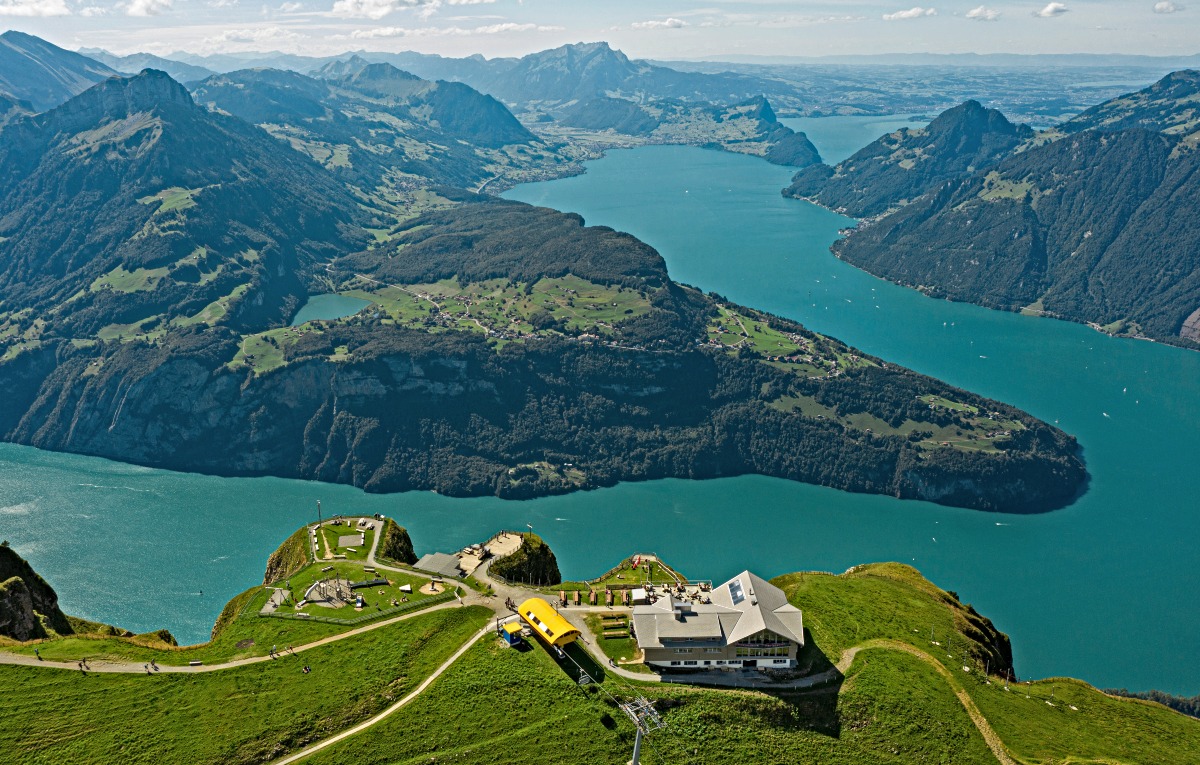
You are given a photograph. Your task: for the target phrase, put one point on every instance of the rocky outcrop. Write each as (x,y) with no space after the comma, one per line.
(532,563)
(28,605)
(396,543)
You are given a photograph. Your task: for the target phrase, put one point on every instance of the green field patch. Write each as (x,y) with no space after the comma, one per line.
(1063,720)
(805,405)
(172,200)
(996,187)
(129,331)
(502,310)
(214,311)
(264,351)
(564,475)
(240,633)
(137,280)
(945,403)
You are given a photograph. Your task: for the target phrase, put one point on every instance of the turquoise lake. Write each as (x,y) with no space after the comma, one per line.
(328,307)
(839,137)
(1105,589)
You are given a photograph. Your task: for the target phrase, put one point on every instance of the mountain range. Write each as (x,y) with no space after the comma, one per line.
(502,341)
(1093,220)
(44,75)
(377,127)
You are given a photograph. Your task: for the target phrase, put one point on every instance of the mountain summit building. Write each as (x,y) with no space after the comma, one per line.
(747,623)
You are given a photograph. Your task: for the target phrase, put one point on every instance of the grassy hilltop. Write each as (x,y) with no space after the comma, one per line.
(900,664)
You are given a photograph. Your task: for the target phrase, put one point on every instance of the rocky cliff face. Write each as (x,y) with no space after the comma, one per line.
(28,605)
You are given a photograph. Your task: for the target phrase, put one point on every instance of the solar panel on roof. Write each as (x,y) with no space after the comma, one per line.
(735,591)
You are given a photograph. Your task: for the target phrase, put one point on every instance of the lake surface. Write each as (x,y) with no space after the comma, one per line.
(328,307)
(839,137)
(1104,590)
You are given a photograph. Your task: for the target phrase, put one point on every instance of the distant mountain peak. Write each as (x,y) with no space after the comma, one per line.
(378,72)
(357,69)
(119,97)
(973,117)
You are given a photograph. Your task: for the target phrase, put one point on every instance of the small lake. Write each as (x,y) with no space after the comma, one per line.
(328,307)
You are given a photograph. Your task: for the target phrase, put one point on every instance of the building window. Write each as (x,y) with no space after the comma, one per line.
(762,652)
(712,650)
(691,663)
(683,650)
(707,663)
(674,664)
(781,661)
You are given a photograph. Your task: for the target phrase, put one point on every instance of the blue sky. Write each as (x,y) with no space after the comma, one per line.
(645,28)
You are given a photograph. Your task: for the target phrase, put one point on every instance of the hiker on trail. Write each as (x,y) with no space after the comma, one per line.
(147,668)
(38,653)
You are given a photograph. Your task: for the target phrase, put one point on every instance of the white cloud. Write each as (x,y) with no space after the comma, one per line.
(983,13)
(146,7)
(1051,10)
(30,8)
(912,13)
(372,9)
(1167,7)
(273,35)
(490,29)
(290,7)
(671,23)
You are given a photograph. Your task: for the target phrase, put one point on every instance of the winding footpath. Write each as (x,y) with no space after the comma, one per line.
(577,617)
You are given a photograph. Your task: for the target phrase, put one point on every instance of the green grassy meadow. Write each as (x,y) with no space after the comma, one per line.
(247,714)
(497,703)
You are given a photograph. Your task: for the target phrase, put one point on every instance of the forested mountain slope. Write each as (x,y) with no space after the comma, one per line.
(379,128)
(510,350)
(899,167)
(1171,106)
(1098,224)
(129,206)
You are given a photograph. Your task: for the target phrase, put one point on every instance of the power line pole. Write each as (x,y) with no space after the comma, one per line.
(645,719)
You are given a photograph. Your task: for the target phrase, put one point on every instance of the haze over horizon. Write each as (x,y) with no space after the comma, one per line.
(662,30)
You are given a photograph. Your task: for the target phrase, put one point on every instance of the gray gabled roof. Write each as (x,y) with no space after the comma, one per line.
(763,605)
(741,607)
